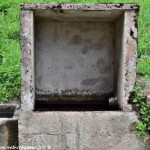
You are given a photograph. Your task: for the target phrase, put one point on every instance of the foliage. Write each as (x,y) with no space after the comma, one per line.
(139,101)
(9,51)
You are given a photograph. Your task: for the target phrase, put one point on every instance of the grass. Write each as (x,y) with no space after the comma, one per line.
(10,48)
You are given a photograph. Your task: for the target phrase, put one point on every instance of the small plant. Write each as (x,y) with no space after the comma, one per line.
(143,109)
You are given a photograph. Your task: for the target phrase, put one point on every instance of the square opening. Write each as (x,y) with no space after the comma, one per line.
(78,58)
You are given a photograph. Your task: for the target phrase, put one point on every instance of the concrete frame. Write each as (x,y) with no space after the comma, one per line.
(125,17)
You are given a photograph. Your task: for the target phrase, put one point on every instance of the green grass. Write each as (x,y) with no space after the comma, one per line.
(10,48)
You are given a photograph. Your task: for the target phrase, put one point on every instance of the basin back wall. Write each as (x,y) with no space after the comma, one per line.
(74,56)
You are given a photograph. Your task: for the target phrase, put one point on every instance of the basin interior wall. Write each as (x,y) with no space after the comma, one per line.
(78,56)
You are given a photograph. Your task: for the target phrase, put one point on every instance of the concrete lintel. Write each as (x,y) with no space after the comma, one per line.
(65,6)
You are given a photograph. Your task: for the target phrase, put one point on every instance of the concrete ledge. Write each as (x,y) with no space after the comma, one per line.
(79,130)
(101,6)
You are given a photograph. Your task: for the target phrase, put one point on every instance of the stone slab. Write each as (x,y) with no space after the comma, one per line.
(79,130)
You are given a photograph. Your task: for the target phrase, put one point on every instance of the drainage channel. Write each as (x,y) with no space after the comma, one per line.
(46,106)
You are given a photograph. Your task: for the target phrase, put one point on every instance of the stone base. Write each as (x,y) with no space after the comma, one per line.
(8,132)
(79,130)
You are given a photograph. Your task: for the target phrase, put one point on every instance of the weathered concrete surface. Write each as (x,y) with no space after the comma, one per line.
(129,56)
(79,130)
(8,132)
(27,59)
(74,57)
(65,6)
(104,33)
(68,43)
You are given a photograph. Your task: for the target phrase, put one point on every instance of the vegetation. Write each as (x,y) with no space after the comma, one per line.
(10,51)
(139,101)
